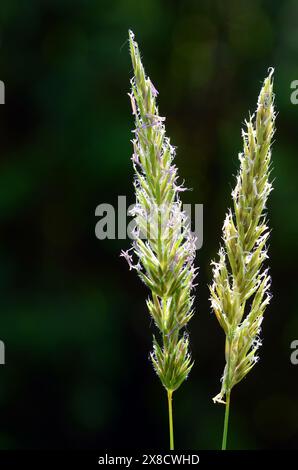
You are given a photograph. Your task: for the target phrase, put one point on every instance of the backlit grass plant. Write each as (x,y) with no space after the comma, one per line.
(163,246)
(240,289)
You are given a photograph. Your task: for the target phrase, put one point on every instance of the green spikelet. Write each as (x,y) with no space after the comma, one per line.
(164,245)
(240,289)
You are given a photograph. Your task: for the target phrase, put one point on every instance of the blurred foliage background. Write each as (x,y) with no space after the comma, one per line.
(73,319)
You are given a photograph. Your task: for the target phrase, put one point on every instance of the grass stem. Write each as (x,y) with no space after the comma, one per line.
(170,393)
(226,423)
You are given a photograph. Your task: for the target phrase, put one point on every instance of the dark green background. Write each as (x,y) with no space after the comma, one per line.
(73,318)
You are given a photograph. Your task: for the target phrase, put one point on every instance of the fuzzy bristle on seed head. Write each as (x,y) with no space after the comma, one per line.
(239,293)
(164,246)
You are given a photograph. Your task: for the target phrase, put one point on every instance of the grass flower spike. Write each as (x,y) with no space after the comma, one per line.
(240,289)
(163,244)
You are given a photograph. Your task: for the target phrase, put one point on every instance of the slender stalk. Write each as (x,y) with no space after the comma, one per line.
(163,250)
(226,422)
(240,289)
(228,392)
(171,429)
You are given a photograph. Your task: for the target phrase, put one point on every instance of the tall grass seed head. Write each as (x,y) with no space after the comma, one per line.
(164,245)
(240,289)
